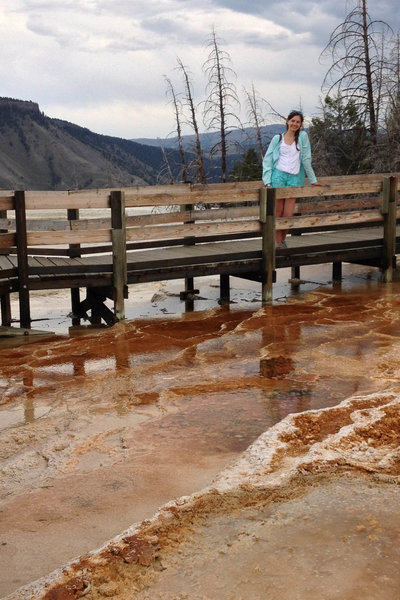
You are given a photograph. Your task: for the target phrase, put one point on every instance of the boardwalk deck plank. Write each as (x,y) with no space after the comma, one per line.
(181,258)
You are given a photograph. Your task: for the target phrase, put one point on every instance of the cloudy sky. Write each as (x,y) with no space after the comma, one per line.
(102,63)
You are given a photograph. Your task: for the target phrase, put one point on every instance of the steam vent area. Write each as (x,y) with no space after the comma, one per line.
(240,452)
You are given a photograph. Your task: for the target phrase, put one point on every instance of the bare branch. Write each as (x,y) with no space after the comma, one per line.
(359,65)
(222,104)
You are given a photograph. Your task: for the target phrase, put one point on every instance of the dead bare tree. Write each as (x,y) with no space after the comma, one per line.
(200,174)
(358,69)
(177,112)
(166,173)
(256,117)
(222,100)
(394,74)
(388,156)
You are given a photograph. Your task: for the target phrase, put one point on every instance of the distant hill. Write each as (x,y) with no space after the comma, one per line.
(41,153)
(239,139)
(38,152)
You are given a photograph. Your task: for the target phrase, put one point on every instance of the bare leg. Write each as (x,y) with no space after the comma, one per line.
(288,210)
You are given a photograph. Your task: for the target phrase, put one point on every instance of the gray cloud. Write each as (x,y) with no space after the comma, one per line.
(101,64)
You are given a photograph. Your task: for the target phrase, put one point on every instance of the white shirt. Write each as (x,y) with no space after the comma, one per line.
(289,158)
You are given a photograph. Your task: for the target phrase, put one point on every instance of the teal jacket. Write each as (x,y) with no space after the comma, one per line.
(272,156)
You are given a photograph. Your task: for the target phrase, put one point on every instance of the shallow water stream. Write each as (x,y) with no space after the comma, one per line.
(99,428)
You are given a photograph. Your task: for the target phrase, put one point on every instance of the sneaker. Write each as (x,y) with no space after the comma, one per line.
(282,245)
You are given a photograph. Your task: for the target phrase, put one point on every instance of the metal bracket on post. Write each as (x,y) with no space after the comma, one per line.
(267,218)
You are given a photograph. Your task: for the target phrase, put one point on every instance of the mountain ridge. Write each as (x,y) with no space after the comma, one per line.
(239,139)
(43,153)
(39,152)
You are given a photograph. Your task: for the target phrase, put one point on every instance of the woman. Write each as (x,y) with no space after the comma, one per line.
(286,163)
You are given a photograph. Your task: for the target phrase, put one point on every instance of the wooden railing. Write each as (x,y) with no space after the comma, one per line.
(177,215)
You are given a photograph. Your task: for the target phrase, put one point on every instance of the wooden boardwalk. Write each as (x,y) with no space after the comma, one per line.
(229,257)
(225,230)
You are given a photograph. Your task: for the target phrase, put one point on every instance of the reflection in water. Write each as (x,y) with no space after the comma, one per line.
(104,426)
(290,351)
(22,414)
(29,411)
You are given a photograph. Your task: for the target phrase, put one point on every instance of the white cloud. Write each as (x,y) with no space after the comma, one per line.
(101,63)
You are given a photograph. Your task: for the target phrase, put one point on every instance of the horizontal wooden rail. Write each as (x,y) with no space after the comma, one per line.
(209,215)
(91,239)
(203,223)
(181,194)
(339,205)
(181,231)
(53,238)
(337,219)
(7,240)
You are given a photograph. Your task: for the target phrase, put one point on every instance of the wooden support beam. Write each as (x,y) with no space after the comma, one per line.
(75,302)
(118,235)
(5,310)
(22,253)
(74,252)
(336,271)
(188,241)
(74,249)
(224,289)
(267,218)
(188,294)
(6,331)
(294,276)
(94,302)
(99,309)
(5,298)
(389,198)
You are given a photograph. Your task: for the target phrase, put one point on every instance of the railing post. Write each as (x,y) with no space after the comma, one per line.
(190,291)
(389,208)
(5,298)
(22,254)
(74,252)
(118,236)
(267,218)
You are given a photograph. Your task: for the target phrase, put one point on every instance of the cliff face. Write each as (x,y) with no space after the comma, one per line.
(37,152)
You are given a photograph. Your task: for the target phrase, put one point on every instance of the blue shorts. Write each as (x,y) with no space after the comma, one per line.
(282,179)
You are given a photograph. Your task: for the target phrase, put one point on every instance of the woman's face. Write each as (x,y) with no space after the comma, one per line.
(294,123)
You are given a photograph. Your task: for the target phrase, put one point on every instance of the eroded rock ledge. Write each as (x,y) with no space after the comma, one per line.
(318,484)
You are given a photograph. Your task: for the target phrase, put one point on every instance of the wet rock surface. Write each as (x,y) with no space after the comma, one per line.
(98,430)
(319,526)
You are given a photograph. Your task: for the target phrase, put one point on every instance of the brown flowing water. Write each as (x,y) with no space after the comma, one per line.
(99,428)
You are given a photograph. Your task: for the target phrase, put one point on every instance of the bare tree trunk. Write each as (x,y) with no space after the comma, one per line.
(175,103)
(368,75)
(222,100)
(255,119)
(168,166)
(201,173)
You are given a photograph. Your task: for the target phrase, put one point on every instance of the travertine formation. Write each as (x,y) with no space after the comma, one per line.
(290,411)
(319,485)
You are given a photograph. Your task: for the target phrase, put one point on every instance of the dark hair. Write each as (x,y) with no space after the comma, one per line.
(295,113)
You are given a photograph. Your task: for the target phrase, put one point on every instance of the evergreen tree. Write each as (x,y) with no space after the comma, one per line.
(247,169)
(340,139)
